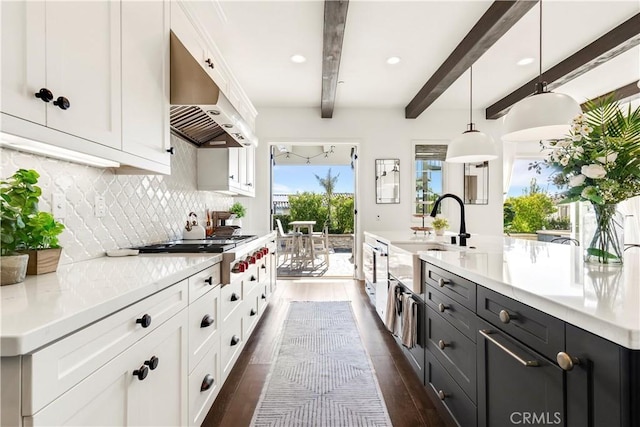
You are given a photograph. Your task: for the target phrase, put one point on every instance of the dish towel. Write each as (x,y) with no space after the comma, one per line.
(409,321)
(390,314)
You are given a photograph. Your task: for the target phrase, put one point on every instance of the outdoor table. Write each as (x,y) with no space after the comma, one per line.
(304,247)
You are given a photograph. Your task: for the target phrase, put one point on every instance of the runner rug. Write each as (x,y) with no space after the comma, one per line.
(322,375)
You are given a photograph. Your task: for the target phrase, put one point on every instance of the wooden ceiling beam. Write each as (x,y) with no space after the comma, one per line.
(495,22)
(622,38)
(335,18)
(623,94)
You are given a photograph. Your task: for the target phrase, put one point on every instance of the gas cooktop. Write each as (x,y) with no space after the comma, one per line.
(213,244)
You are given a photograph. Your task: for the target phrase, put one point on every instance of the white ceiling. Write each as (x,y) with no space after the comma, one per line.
(257,39)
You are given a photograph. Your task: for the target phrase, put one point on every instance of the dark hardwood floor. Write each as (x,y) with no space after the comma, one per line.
(405,396)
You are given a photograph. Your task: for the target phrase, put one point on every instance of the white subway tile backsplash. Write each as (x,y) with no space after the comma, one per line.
(141,209)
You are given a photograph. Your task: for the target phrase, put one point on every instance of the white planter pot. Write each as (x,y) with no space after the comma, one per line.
(13,269)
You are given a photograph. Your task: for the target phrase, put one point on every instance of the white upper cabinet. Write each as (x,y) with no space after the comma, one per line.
(145,79)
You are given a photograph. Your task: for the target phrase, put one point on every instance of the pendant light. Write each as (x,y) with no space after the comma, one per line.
(472,146)
(542,116)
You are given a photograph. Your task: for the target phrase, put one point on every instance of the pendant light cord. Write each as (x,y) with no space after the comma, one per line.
(540,45)
(471,95)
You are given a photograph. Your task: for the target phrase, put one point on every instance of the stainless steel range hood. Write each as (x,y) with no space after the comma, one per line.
(200,113)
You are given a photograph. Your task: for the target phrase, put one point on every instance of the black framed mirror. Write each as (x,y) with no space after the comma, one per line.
(387,181)
(476,183)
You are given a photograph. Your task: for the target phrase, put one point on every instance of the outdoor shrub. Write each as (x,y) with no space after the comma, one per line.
(343,214)
(308,207)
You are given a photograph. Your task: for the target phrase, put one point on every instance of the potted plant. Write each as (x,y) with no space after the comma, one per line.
(28,235)
(238,211)
(440,224)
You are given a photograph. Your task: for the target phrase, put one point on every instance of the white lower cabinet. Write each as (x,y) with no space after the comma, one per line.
(204,385)
(145,385)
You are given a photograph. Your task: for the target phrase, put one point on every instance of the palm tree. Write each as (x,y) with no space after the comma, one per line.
(329,184)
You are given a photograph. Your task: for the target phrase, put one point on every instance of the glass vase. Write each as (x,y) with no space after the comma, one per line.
(603,235)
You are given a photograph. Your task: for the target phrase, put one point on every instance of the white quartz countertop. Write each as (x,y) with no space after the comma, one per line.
(604,300)
(47,307)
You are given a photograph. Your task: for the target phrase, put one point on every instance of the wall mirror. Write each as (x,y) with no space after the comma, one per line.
(476,183)
(387,180)
(428,176)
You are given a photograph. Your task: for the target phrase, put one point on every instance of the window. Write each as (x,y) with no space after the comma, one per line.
(429,161)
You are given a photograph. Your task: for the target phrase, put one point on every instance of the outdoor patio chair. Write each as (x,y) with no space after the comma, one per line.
(286,242)
(320,242)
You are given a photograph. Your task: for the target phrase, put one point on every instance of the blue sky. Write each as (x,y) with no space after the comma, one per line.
(300,178)
(521,179)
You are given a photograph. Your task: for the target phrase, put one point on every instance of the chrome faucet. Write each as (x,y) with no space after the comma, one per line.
(463,228)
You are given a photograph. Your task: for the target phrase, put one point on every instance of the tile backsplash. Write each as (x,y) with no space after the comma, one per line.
(141,209)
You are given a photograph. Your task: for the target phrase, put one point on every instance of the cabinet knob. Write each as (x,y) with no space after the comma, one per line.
(264,296)
(253,312)
(210,63)
(442,395)
(44,94)
(230,176)
(442,281)
(141,373)
(442,307)
(207,382)
(144,321)
(234,297)
(207,321)
(443,344)
(253,279)
(171,150)
(506,317)
(234,340)
(209,280)
(62,102)
(566,361)
(152,363)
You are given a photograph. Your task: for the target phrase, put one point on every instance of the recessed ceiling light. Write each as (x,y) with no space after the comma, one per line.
(525,61)
(298,59)
(393,60)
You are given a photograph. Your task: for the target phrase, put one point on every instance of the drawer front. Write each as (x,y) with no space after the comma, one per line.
(452,311)
(204,325)
(454,351)
(263,298)
(230,299)
(202,282)
(251,313)
(264,272)
(450,394)
(204,385)
(231,343)
(250,281)
(541,332)
(451,285)
(70,360)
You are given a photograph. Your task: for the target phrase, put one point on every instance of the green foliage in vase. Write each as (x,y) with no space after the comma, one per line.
(238,210)
(23,227)
(440,223)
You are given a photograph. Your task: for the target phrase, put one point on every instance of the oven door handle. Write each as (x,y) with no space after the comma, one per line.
(527,363)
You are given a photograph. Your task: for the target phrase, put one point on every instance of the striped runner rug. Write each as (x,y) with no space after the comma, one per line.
(322,375)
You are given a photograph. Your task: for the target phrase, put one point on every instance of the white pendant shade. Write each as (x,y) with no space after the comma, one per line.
(470,147)
(542,116)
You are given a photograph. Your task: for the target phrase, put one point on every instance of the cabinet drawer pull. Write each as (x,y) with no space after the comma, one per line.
(527,363)
(264,267)
(252,279)
(442,307)
(442,281)
(141,373)
(443,344)
(207,382)
(506,317)
(253,312)
(234,340)
(44,94)
(207,321)
(566,361)
(62,102)
(264,296)
(234,297)
(152,363)
(145,321)
(442,395)
(171,150)
(209,280)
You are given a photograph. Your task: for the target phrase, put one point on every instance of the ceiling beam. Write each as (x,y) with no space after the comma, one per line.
(495,22)
(335,18)
(623,94)
(622,38)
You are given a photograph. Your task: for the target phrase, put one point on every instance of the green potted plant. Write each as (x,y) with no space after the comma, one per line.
(29,242)
(440,224)
(238,211)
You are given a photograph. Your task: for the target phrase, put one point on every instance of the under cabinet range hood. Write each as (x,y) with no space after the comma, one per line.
(200,113)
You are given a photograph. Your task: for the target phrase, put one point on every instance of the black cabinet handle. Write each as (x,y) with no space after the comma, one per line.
(44,94)
(210,63)
(230,176)
(207,382)
(252,279)
(152,363)
(62,102)
(264,267)
(234,297)
(253,312)
(209,280)
(144,321)
(171,150)
(141,373)
(234,340)
(207,321)
(264,296)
